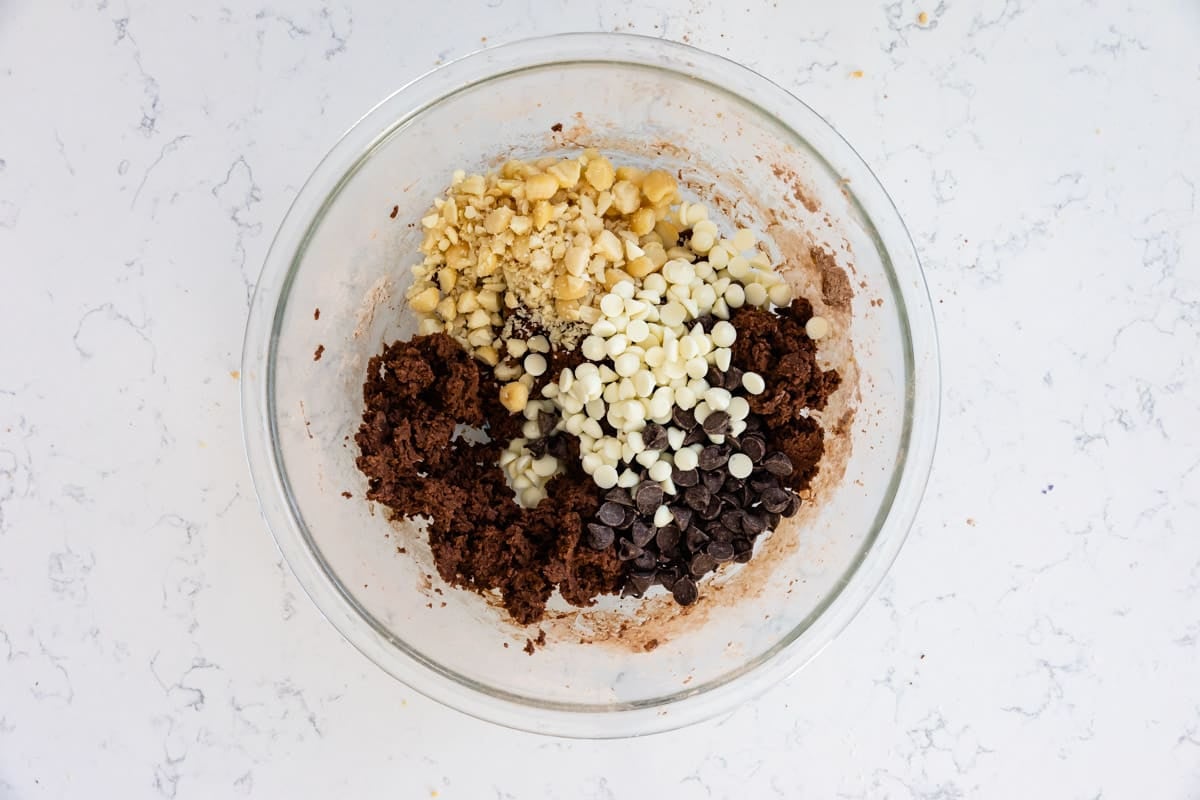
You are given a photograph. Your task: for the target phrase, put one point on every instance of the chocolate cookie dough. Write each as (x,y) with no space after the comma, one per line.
(417,394)
(776,347)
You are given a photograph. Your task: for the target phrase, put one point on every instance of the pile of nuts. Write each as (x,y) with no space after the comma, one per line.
(542,236)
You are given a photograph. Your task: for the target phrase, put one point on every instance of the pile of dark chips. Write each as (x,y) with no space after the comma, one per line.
(717,517)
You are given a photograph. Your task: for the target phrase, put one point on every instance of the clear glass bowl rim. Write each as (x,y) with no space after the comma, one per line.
(279,506)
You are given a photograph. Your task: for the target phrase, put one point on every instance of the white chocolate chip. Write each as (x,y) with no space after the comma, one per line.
(672,314)
(612,305)
(685,458)
(697,367)
(780,294)
(535,364)
(723,334)
(647,458)
(545,466)
(753,383)
(593,348)
(740,465)
(626,364)
(637,331)
(718,399)
(722,358)
(659,471)
(685,398)
(663,516)
(643,383)
(756,295)
(603,328)
(605,476)
(817,328)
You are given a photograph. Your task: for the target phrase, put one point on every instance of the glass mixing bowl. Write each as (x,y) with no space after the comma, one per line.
(759,157)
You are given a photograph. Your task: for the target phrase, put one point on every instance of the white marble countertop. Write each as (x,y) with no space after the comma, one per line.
(1038,636)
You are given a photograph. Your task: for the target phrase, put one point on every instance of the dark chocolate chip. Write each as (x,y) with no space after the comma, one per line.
(683,418)
(733,379)
(655,436)
(773,519)
(775,500)
(685,591)
(754,423)
(754,447)
(721,551)
(537,448)
(701,564)
(611,514)
(722,534)
(778,464)
(697,497)
(646,561)
(713,509)
(642,532)
(695,539)
(695,436)
(743,549)
(793,506)
(600,537)
(627,550)
(754,524)
(639,582)
(732,520)
(733,484)
(683,516)
(668,575)
(760,483)
(620,496)
(667,538)
(713,480)
(649,497)
(546,422)
(685,477)
(627,520)
(559,448)
(715,377)
(717,423)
